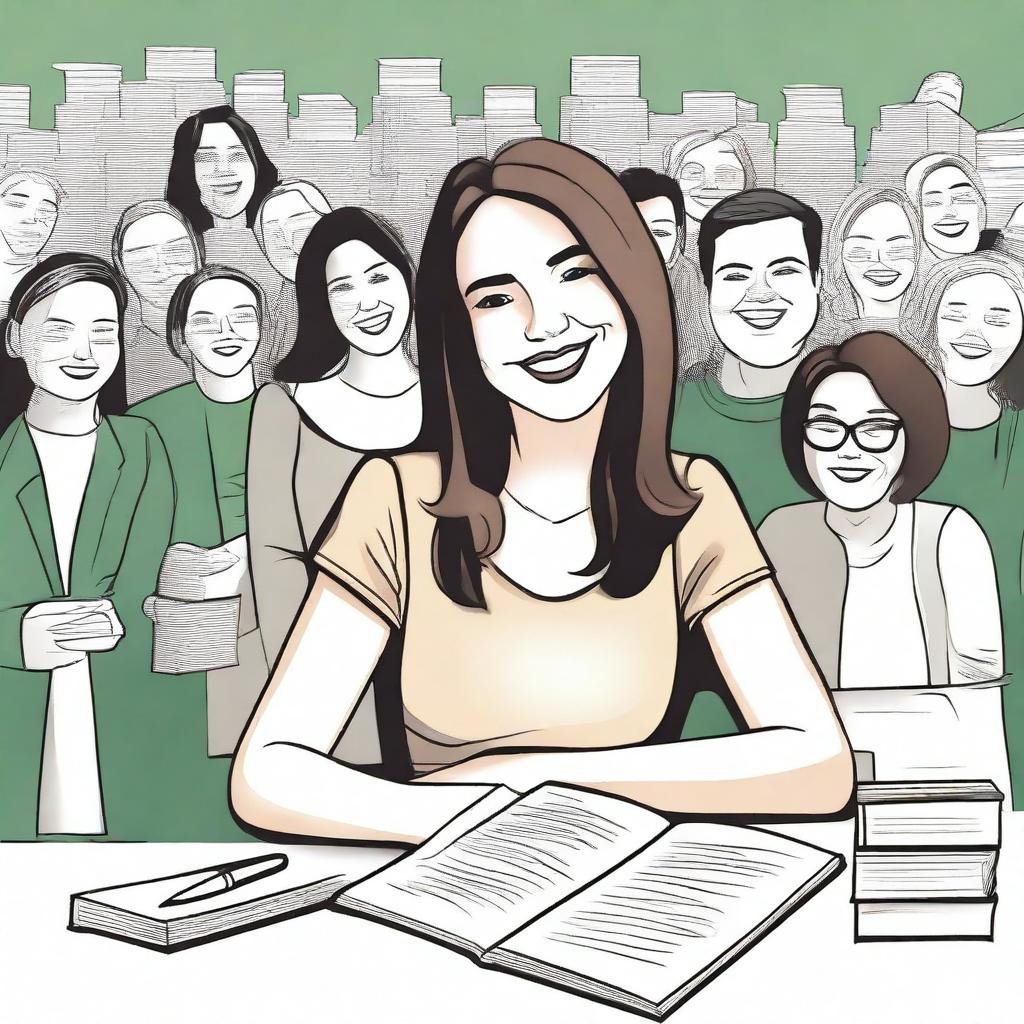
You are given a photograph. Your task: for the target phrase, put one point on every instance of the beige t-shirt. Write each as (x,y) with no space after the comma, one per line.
(584,671)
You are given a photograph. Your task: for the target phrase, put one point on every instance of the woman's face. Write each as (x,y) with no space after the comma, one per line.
(222,329)
(709,174)
(288,219)
(368,297)
(952,212)
(851,475)
(158,255)
(978,326)
(70,341)
(224,173)
(878,253)
(549,333)
(28,214)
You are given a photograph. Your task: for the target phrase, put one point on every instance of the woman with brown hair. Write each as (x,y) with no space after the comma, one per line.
(891,592)
(517,590)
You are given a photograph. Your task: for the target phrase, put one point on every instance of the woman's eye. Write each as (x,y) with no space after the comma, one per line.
(785,272)
(953,315)
(575,273)
(493,301)
(661,233)
(378,278)
(996,321)
(735,277)
(340,288)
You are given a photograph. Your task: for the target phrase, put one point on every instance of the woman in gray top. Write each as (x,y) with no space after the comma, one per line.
(349,386)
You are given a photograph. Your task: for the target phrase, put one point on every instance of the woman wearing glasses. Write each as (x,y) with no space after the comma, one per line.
(215,322)
(890,591)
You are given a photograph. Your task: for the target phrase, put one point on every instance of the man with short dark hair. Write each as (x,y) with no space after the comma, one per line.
(659,199)
(759,252)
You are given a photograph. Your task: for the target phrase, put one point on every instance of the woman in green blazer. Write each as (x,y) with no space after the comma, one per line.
(92,744)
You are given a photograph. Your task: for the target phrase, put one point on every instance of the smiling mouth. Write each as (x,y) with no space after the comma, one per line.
(227,188)
(882,278)
(80,372)
(951,228)
(761,318)
(376,324)
(848,474)
(971,349)
(561,365)
(227,350)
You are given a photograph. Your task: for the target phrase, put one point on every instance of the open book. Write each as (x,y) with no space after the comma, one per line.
(595,894)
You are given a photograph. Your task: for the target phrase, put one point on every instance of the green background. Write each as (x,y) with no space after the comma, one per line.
(877,51)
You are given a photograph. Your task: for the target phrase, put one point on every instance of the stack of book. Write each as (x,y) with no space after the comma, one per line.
(925,860)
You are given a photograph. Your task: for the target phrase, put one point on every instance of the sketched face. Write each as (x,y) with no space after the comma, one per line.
(222,330)
(660,217)
(711,173)
(70,341)
(224,173)
(287,221)
(158,255)
(860,471)
(878,253)
(368,297)
(952,212)
(549,333)
(28,213)
(978,326)
(763,299)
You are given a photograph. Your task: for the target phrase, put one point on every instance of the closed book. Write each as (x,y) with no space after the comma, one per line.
(878,920)
(924,874)
(903,814)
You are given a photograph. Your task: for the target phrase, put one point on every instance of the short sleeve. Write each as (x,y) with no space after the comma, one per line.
(716,551)
(364,549)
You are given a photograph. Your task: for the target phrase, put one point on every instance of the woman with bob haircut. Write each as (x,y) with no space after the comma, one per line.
(517,592)
(890,591)
(872,258)
(216,323)
(91,742)
(348,386)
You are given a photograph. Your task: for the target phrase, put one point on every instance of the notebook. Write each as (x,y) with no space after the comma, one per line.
(596,894)
(132,912)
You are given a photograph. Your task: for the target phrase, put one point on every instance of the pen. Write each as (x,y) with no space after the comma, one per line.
(226,877)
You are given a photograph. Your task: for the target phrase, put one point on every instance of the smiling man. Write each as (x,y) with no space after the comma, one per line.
(759,258)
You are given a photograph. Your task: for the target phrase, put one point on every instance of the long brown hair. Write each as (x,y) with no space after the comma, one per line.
(637,501)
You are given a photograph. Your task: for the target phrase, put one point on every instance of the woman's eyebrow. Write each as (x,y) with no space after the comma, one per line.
(490,282)
(998,309)
(567,254)
(899,238)
(881,412)
(823,405)
(375,266)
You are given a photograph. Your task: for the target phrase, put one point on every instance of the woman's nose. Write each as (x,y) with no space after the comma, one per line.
(546,321)
(760,290)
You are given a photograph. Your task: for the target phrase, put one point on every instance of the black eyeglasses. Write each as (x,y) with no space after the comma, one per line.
(828,435)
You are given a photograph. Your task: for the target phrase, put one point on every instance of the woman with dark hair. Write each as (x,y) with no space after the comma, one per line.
(348,386)
(218,178)
(219,170)
(154,249)
(215,324)
(519,591)
(890,591)
(91,744)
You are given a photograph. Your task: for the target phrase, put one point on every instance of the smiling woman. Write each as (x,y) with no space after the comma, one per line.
(86,501)
(518,592)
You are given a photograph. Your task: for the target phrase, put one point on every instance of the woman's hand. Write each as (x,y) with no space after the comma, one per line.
(59,633)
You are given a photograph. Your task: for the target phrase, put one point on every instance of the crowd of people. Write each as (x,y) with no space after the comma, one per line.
(297,534)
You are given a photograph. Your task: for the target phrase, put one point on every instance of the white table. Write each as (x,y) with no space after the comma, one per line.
(325,967)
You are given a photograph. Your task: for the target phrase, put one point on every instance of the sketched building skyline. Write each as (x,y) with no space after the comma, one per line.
(111,141)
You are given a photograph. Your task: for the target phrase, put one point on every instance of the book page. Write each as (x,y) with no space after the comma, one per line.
(672,913)
(476,887)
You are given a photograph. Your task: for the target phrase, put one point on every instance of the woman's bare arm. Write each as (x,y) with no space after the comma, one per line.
(283,779)
(795,760)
